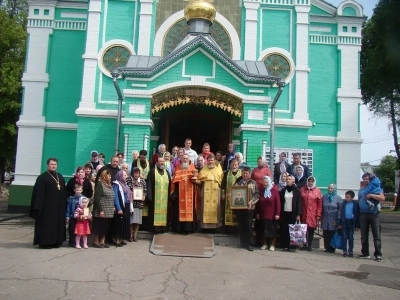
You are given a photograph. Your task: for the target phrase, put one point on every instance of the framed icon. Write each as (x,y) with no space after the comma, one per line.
(138,193)
(239,197)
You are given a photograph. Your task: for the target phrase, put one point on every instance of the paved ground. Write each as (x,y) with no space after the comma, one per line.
(132,272)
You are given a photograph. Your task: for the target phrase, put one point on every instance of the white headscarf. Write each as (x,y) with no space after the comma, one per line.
(314,185)
(267,191)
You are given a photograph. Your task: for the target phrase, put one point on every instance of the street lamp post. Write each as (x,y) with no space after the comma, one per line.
(272,128)
(115,74)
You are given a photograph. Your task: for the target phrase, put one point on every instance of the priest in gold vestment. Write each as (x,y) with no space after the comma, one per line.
(210,178)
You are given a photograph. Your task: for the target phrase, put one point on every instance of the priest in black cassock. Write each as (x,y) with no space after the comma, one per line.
(113,168)
(158,191)
(49,199)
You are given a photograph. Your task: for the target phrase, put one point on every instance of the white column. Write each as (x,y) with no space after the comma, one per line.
(251,24)
(302,69)
(145,142)
(145,23)
(348,137)
(126,137)
(35,80)
(90,56)
(244,151)
(264,148)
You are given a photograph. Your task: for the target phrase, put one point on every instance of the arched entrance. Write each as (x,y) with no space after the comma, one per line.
(205,116)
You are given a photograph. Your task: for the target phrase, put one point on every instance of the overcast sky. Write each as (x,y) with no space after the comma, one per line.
(378,140)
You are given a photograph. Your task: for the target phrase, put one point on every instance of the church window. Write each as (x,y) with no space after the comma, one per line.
(46,12)
(354,29)
(344,28)
(116,56)
(36,11)
(277,65)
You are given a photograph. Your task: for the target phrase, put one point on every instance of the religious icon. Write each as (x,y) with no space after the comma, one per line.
(239,197)
(138,194)
(86,212)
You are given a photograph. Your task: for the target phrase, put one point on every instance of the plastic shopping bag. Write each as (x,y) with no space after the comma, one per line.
(337,241)
(298,233)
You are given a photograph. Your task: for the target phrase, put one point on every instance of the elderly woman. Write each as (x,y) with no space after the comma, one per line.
(167,162)
(300,179)
(311,201)
(135,181)
(330,214)
(282,181)
(135,155)
(125,168)
(239,157)
(268,210)
(290,211)
(103,209)
(123,197)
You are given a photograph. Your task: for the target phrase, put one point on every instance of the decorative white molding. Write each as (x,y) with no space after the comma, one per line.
(198,81)
(145,142)
(236,142)
(291,123)
(76,15)
(162,31)
(284,53)
(333,139)
(244,151)
(97,113)
(126,138)
(324,6)
(251,25)
(256,91)
(61,126)
(139,85)
(139,109)
(255,115)
(145,25)
(264,148)
(30,124)
(104,48)
(321,28)
(251,127)
(141,122)
(192,53)
(350,3)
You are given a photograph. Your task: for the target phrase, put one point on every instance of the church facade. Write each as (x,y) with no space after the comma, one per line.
(181,81)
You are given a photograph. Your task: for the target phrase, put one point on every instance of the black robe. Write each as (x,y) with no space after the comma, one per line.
(113,172)
(48,206)
(87,188)
(148,222)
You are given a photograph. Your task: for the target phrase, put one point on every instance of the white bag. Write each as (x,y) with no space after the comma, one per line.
(298,233)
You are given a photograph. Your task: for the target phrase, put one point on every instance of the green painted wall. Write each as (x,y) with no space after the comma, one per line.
(254,145)
(324,164)
(123,28)
(255,107)
(349,11)
(95,134)
(290,137)
(333,28)
(199,64)
(60,144)
(275,28)
(317,11)
(20,198)
(58,11)
(323,83)
(136,138)
(65,72)
(137,101)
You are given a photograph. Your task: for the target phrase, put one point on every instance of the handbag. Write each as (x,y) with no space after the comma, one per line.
(338,241)
(298,233)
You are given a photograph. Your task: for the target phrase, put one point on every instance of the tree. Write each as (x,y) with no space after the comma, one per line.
(380,65)
(385,172)
(13,36)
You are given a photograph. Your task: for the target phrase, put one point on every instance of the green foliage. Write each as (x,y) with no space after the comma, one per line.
(380,64)
(12,56)
(385,172)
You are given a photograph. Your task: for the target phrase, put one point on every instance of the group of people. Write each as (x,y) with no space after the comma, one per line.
(184,191)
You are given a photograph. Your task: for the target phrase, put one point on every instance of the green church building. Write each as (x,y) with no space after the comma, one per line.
(191,69)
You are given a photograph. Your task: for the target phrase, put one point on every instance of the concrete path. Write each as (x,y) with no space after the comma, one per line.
(132,272)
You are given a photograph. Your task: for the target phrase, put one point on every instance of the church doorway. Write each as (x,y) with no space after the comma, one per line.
(201,123)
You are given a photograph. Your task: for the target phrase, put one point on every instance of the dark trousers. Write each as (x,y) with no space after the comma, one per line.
(348,234)
(328,235)
(245,224)
(373,221)
(71,231)
(287,218)
(310,236)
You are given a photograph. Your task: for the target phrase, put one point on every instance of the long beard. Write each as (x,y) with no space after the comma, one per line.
(211,166)
(185,166)
(161,167)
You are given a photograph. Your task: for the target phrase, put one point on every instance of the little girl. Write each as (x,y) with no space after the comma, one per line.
(82,216)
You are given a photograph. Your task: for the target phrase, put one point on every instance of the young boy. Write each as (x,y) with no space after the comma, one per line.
(72,205)
(373,187)
(348,221)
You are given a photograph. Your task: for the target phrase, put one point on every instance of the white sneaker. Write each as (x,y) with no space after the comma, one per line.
(263,247)
(272,248)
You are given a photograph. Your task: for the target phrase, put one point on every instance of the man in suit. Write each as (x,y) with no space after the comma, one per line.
(296,163)
(281,167)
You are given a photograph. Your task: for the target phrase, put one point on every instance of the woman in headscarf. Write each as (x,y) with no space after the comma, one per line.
(282,181)
(330,214)
(311,200)
(168,164)
(134,181)
(135,155)
(300,179)
(239,157)
(290,211)
(103,209)
(268,210)
(206,151)
(230,154)
(80,178)
(123,209)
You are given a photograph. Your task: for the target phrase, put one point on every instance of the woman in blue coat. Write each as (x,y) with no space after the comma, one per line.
(330,214)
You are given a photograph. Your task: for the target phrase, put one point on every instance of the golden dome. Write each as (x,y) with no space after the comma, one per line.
(200,9)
